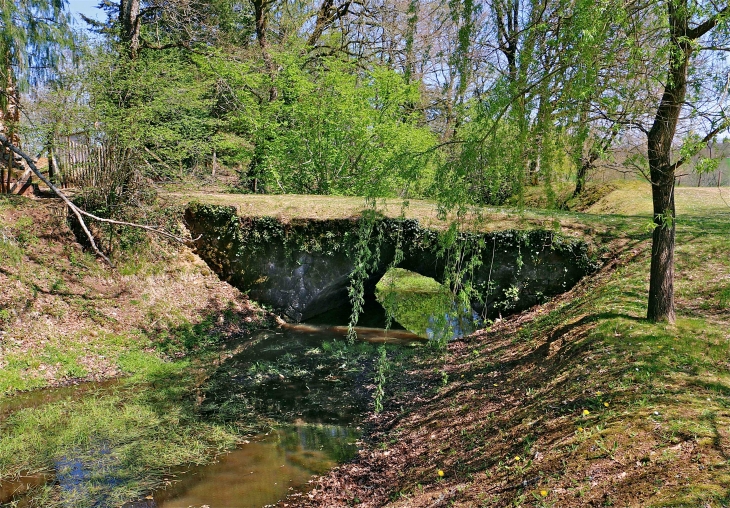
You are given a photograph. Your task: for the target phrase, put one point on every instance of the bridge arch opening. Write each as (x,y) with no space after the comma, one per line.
(408,300)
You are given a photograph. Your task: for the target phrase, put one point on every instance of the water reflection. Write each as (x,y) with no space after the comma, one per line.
(452,324)
(296,372)
(425,307)
(262,472)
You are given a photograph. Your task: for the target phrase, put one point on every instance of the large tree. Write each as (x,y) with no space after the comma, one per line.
(688,22)
(33,34)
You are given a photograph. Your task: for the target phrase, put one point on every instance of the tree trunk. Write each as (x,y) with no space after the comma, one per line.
(580,180)
(131,22)
(261,15)
(409,70)
(9,120)
(661,281)
(661,170)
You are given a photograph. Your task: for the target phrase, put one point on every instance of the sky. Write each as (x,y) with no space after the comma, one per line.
(87,8)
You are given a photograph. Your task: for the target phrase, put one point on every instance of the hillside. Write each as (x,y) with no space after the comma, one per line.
(56,298)
(580,402)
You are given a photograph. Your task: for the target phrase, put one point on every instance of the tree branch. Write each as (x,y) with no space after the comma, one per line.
(706,26)
(79,213)
(714,132)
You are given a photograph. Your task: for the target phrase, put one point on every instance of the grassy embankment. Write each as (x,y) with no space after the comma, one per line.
(580,402)
(651,436)
(65,318)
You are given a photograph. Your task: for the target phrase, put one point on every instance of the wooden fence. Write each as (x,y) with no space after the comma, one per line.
(79,164)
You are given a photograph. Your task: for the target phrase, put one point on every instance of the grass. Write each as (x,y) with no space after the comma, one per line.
(633,197)
(122,439)
(157,323)
(292,206)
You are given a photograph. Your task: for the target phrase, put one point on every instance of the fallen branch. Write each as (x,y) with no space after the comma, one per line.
(80,214)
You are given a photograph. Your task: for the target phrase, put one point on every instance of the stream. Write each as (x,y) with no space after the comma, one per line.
(261,472)
(304,379)
(298,376)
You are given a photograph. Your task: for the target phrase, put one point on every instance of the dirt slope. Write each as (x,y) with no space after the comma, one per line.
(65,317)
(580,402)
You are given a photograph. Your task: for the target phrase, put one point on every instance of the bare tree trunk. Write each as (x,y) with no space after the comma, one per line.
(261,15)
(661,279)
(9,119)
(410,56)
(131,22)
(661,170)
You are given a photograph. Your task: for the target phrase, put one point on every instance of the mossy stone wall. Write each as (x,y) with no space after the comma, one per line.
(302,267)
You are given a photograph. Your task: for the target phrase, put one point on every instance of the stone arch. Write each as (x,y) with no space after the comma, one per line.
(302,268)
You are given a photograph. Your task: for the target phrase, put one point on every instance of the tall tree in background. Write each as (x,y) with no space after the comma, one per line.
(33,34)
(130,23)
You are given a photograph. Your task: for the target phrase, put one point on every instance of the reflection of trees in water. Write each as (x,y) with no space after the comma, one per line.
(287,375)
(337,442)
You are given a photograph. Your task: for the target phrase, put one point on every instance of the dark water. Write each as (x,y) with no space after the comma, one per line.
(263,471)
(298,374)
(372,315)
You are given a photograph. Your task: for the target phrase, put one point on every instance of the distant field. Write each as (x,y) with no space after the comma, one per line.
(631,198)
(634,198)
(296,206)
(623,212)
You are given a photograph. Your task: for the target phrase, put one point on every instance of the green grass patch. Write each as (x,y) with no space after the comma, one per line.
(121,440)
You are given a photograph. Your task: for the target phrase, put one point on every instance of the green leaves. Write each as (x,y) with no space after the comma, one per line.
(341,130)
(160,105)
(33,33)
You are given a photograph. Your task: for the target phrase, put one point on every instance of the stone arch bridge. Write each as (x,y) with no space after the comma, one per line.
(302,268)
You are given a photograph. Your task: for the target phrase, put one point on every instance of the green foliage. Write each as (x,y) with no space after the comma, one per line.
(32,35)
(482,171)
(160,106)
(706,165)
(339,130)
(382,365)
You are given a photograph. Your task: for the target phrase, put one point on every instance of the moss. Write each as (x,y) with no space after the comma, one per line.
(502,271)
